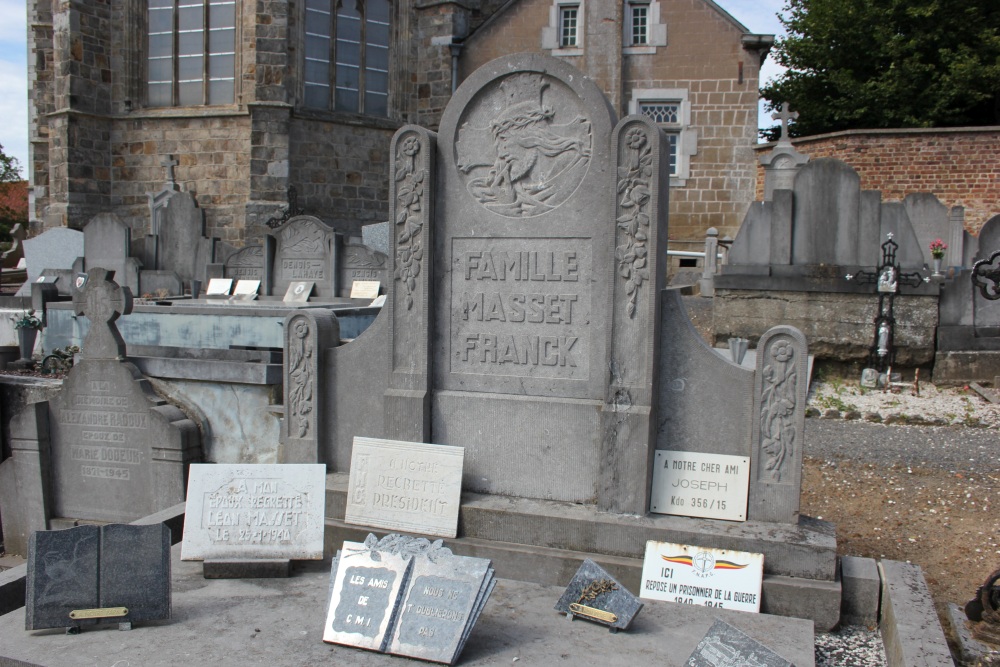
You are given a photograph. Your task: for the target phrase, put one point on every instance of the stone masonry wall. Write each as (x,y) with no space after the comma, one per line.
(214,162)
(41,74)
(961,166)
(838,326)
(341,171)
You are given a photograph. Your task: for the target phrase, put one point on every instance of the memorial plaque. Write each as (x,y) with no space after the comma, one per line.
(298,291)
(365,289)
(219,287)
(254,512)
(86,575)
(595,595)
(442,602)
(407,596)
(710,486)
(408,486)
(725,646)
(365,595)
(359,263)
(699,575)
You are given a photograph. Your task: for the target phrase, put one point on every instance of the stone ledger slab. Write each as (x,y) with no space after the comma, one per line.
(407,486)
(519,623)
(254,512)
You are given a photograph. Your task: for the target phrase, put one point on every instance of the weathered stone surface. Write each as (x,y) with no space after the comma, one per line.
(245,264)
(304,248)
(91,567)
(107,244)
(55,249)
(861,589)
(359,262)
(724,644)
(405,486)
(910,629)
(254,511)
(837,326)
(177,238)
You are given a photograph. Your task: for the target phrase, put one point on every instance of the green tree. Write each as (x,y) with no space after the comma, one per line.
(863,64)
(13,196)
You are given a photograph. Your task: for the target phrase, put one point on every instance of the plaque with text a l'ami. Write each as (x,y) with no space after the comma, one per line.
(689,574)
(707,486)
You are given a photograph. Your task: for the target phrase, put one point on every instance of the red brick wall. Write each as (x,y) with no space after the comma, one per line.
(961,166)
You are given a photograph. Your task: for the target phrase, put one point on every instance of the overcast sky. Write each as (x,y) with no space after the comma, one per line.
(759,16)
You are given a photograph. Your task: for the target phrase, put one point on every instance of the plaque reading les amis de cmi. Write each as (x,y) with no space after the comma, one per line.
(254,512)
(710,486)
(408,486)
(699,575)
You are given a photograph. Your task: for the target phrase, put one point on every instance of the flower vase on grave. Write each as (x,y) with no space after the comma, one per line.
(26,337)
(937,266)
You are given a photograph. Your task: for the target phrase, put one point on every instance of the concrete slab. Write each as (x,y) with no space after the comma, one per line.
(861,589)
(279,621)
(971,651)
(910,629)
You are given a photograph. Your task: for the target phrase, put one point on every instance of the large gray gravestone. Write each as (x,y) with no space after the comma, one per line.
(177,239)
(107,243)
(55,249)
(547,247)
(96,569)
(359,262)
(304,248)
(245,264)
(118,451)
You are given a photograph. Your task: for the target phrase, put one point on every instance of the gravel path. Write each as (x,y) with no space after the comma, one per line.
(949,448)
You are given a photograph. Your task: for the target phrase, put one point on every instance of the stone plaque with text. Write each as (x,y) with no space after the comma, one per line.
(254,511)
(688,574)
(302,249)
(408,486)
(696,484)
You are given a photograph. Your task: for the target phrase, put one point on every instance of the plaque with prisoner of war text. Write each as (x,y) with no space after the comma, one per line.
(709,486)
(688,574)
(254,511)
(408,486)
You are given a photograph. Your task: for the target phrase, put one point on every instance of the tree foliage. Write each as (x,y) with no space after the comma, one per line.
(862,64)
(13,196)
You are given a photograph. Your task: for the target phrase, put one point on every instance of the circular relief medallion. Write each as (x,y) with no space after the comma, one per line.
(524,145)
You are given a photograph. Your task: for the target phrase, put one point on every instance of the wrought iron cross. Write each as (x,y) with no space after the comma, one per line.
(889,279)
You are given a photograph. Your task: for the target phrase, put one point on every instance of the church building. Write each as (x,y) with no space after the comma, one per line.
(249,98)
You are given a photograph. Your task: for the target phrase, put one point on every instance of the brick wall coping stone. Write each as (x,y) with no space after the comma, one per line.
(986,129)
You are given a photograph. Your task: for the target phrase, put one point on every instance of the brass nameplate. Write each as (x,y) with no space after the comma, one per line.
(590,612)
(106,612)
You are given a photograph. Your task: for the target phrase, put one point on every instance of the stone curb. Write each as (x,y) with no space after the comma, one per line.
(911,632)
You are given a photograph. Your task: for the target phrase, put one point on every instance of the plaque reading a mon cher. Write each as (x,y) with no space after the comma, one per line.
(407,486)
(254,511)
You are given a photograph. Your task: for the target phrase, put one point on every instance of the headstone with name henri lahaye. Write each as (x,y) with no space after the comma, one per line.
(98,574)
(406,596)
(595,595)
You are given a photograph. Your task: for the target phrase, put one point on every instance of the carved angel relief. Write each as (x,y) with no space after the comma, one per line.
(522,162)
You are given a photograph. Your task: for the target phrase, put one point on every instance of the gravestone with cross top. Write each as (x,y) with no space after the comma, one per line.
(102,301)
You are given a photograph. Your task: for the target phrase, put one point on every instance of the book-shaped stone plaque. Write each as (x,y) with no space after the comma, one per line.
(299,291)
(97,574)
(365,289)
(595,595)
(263,511)
(408,486)
(723,645)
(219,287)
(406,596)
